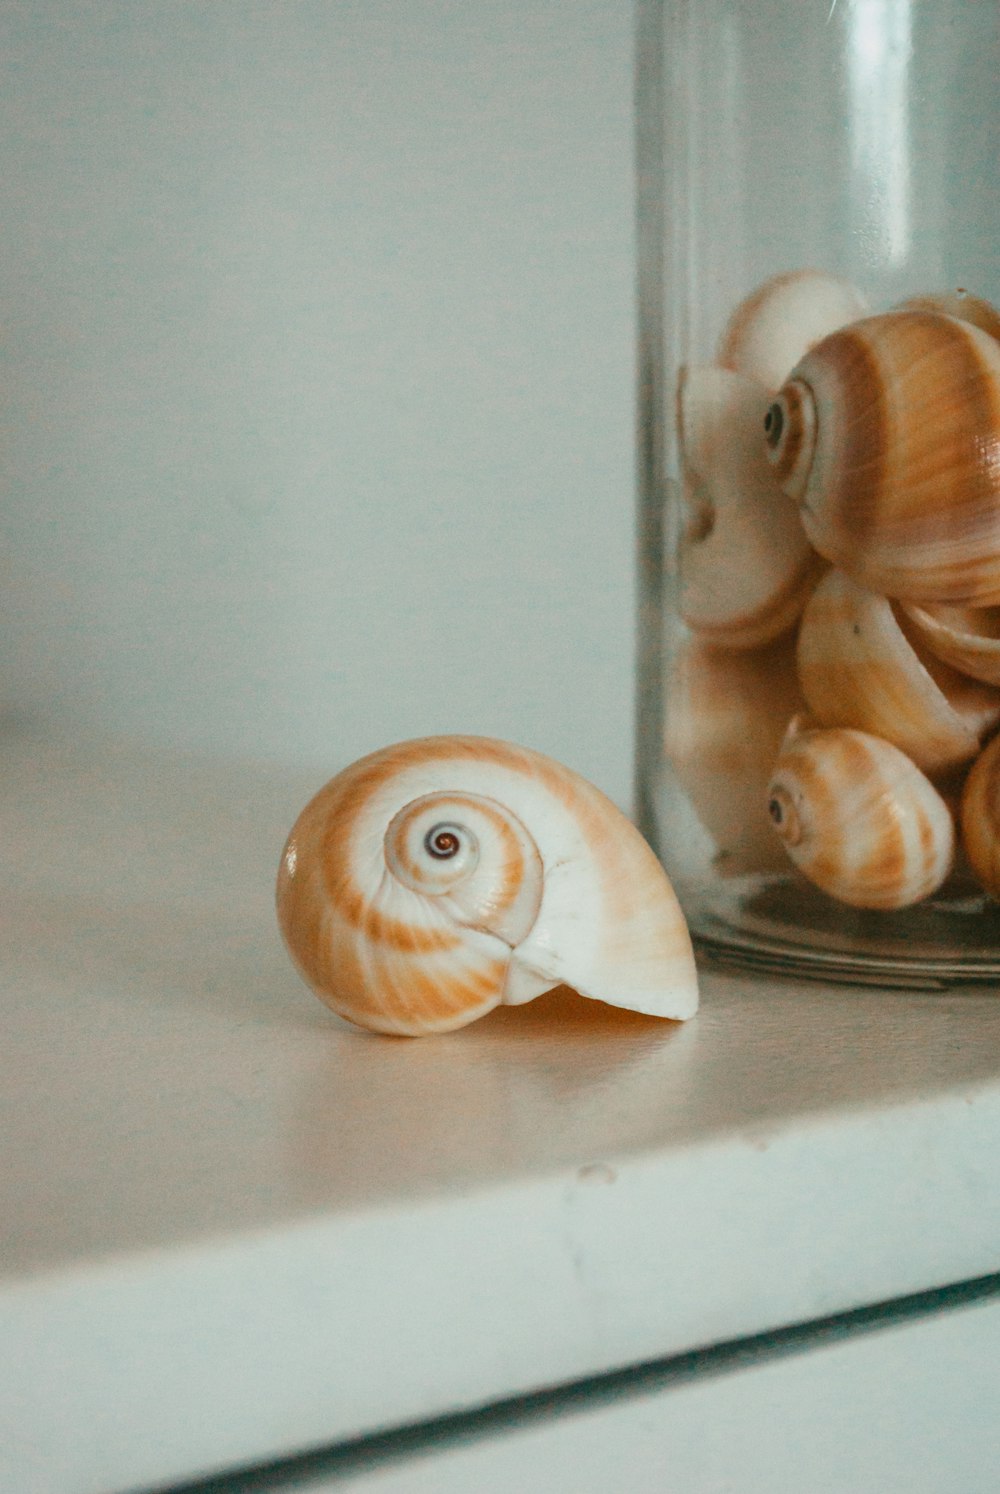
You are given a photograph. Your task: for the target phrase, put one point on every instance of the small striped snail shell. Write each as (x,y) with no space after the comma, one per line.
(980,818)
(859,819)
(887,434)
(435,879)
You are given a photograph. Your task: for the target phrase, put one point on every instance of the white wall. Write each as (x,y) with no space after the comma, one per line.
(316,387)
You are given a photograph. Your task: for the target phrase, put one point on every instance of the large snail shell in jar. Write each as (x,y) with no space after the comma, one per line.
(859,666)
(773,327)
(980,818)
(437,878)
(859,819)
(887,434)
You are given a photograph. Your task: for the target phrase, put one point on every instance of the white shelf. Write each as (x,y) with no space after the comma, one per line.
(232,1227)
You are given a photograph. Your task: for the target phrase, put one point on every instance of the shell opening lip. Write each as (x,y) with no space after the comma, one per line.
(784,815)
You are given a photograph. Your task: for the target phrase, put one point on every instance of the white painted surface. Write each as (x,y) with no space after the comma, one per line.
(233,1228)
(316,423)
(908,1410)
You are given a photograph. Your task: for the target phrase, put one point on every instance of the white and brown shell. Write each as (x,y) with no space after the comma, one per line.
(861,666)
(859,819)
(777,324)
(744,562)
(435,879)
(888,436)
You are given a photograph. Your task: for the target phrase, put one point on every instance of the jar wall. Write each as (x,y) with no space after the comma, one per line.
(858,139)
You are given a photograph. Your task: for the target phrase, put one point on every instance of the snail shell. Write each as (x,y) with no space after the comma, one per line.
(888,436)
(745,564)
(859,667)
(437,878)
(980,818)
(859,819)
(782,319)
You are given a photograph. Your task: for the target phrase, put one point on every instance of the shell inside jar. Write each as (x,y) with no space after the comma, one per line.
(872,604)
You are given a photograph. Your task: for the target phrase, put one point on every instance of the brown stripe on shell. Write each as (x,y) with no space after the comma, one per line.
(423,997)
(910,499)
(407,996)
(928,847)
(885,870)
(397,933)
(848,512)
(943,357)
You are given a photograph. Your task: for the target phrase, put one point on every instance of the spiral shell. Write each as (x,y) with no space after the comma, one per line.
(980,818)
(435,879)
(745,564)
(782,319)
(860,667)
(888,436)
(859,819)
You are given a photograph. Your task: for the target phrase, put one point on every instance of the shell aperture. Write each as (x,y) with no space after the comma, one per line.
(435,879)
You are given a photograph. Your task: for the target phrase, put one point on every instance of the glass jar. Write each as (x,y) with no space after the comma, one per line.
(808,722)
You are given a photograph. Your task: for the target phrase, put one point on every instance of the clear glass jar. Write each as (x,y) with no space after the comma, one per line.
(850,147)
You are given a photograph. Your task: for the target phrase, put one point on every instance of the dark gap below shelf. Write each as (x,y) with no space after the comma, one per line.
(296,1473)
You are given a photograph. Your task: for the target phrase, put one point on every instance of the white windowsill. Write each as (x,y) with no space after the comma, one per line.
(233,1227)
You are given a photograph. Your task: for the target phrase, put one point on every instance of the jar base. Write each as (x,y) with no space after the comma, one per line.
(781,925)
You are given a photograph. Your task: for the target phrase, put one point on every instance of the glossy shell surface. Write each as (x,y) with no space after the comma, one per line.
(859,819)
(437,878)
(859,667)
(888,436)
